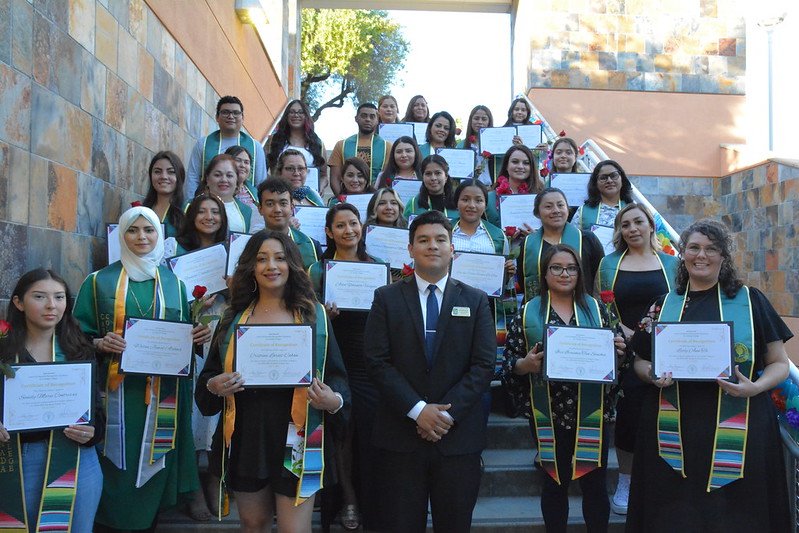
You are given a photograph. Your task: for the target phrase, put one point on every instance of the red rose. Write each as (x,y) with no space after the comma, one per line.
(341,198)
(472,139)
(779,401)
(522,188)
(502,187)
(458,131)
(486,154)
(544,172)
(607,297)
(199,291)
(562,133)
(5,327)
(407,270)
(537,122)
(136,204)
(582,151)
(510,231)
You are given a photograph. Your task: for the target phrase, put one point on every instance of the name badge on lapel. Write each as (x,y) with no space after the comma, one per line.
(461,311)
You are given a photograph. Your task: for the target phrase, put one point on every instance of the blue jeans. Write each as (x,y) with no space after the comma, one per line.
(90,485)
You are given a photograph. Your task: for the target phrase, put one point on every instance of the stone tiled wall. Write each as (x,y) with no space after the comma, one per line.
(696,46)
(90,91)
(681,201)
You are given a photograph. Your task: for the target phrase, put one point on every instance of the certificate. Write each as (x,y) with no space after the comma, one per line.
(236,244)
(112,244)
(605,236)
(360,201)
(574,186)
(206,267)
(390,245)
(406,189)
(351,284)
(579,354)
(157,347)
(482,271)
(312,221)
(496,140)
(692,350)
(48,395)
(517,209)
(275,355)
(392,132)
(532,134)
(460,161)
(419,131)
(312,178)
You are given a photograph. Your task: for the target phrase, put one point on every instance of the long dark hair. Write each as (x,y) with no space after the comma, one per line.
(71,339)
(371,216)
(533,181)
(579,289)
(188,237)
(175,213)
(729,280)
(443,202)
(409,111)
(330,252)
(470,131)
(625,192)
(469,183)
(510,122)
(449,142)
(361,167)
(391,169)
(575,167)
(280,138)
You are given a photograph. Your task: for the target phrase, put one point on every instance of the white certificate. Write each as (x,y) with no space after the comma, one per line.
(312,221)
(390,245)
(157,347)
(532,134)
(406,189)
(275,355)
(392,132)
(579,354)
(312,178)
(206,267)
(693,350)
(496,140)
(605,236)
(460,161)
(112,244)
(361,202)
(48,395)
(419,131)
(351,284)
(516,210)
(574,186)
(481,271)
(236,244)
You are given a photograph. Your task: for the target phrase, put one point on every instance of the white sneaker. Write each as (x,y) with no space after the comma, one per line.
(619,502)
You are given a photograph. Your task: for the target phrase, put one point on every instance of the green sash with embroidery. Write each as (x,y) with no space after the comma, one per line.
(212,148)
(590,396)
(534,246)
(729,448)
(378,149)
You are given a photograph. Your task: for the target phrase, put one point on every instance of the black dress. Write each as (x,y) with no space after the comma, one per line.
(660,499)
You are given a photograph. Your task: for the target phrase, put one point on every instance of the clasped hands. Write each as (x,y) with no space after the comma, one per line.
(434,422)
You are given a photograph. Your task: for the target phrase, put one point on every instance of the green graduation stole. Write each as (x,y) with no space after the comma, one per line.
(534,246)
(379,152)
(413,208)
(306,246)
(609,270)
(212,147)
(590,405)
(729,448)
(589,215)
(60,481)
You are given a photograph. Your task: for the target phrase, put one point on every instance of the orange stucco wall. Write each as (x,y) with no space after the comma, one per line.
(228,53)
(649,133)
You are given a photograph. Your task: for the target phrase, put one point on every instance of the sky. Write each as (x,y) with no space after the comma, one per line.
(439,67)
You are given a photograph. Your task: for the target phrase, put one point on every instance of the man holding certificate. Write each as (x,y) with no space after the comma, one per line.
(570,406)
(430,351)
(709,448)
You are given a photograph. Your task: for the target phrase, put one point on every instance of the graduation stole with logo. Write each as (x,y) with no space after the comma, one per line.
(590,396)
(729,447)
(304,452)
(60,481)
(378,150)
(533,248)
(212,147)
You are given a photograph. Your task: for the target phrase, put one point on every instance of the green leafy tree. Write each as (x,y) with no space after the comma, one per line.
(352,54)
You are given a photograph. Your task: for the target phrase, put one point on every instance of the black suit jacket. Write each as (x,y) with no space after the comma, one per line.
(463,364)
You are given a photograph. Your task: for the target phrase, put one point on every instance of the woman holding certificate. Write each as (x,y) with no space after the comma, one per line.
(517,175)
(567,417)
(403,163)
(608,191)
(635,273)
(440,134)
(291,167)
(221,180)
(708,455)
(165,193)
(273,438)
(354,180)
(146,473)
(436,190)
(44,331)
(480,117)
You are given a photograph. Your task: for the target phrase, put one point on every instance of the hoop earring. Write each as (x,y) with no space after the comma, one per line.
(254,285)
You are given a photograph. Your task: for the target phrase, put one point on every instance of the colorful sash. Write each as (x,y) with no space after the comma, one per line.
(590,398)
(609,270)
(533,248)
(378,155)
(589,215)
(729,447)
(212,147)
(60,481)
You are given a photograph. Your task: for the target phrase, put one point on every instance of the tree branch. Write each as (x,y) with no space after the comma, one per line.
(336,101)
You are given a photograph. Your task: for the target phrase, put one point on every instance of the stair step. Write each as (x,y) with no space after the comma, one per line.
(507,433)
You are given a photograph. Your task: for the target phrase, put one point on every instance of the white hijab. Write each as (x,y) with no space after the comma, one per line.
(144,267)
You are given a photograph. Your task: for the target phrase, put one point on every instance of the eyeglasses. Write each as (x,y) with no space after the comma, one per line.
(557,270)
(228,113)
(295,112)
(613,176)
(293,170)
(694,249)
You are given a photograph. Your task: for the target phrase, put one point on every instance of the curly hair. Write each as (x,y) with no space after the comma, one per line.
(729,280)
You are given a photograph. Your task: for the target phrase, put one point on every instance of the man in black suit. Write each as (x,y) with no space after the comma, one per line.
(431,354)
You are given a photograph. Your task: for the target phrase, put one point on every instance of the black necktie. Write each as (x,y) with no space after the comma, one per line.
(432,322)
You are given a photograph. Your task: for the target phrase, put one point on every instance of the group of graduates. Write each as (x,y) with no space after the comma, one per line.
(395,419)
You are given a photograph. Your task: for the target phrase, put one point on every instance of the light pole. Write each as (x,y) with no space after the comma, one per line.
(769,23)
